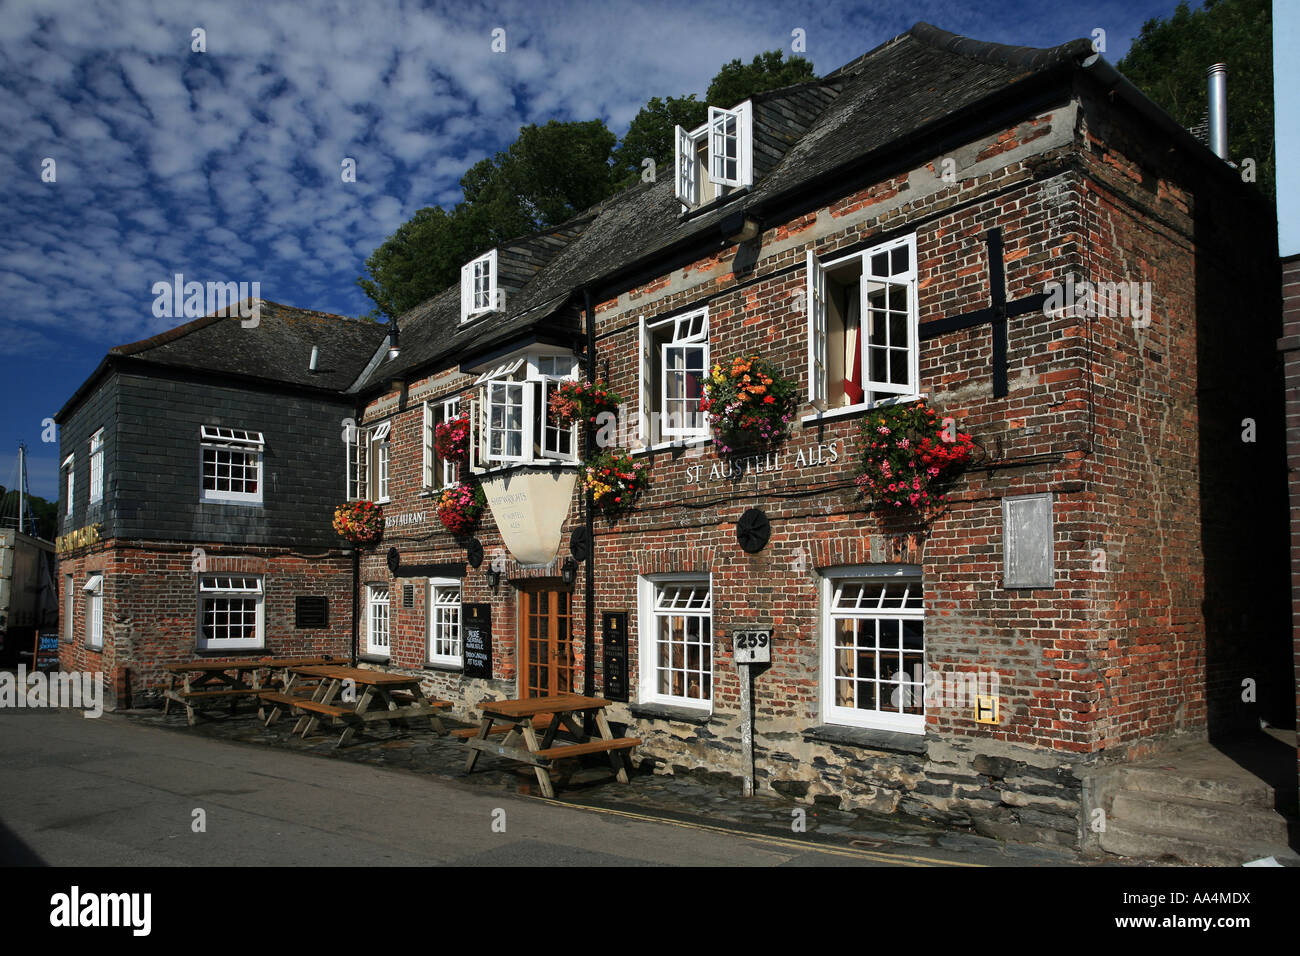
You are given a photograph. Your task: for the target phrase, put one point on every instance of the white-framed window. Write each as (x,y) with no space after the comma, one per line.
(674,365)
(444,622)
(377,641)
(69,606)
(377,461)
(676,640)
(863,327)
(873,647)
(439,473)
(230,611)
(478,286)
(68,467)
(511,420)
(716,158)
(355,441)
(97,466)
(94,591)
(231,464)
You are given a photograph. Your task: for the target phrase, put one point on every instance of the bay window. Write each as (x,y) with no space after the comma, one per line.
(863,345)
(511,421)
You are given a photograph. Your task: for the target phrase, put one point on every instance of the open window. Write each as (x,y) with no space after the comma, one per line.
(716,158)
(439,472)
(511,420)
(377,467)
(478,286)
(674,363)
(863,344)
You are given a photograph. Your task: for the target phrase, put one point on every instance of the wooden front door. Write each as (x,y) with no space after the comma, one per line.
(545,640)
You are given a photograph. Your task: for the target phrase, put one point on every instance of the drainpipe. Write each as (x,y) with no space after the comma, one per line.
(589,601)
(1218,109)
(356,587)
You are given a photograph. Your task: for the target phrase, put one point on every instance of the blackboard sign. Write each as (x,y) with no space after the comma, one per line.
(46,656)
(476,633)
(615,667)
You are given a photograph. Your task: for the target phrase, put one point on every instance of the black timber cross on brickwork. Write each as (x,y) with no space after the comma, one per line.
(997,313)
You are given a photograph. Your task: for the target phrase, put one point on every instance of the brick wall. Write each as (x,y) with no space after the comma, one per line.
(1289,347)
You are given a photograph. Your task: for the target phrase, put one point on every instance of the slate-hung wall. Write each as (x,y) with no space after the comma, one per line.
(98,411)
(158,480)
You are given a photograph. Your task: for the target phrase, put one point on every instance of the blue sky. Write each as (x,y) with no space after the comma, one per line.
(224,165)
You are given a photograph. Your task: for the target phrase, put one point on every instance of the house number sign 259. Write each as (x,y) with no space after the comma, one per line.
(752,647)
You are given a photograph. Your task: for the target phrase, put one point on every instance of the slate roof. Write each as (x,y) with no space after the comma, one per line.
(889,94)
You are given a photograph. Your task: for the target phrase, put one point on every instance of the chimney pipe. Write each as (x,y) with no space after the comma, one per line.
(315,354)
(1218,104)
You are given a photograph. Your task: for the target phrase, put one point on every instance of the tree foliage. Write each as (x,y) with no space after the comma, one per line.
(547,175)
(1169,58)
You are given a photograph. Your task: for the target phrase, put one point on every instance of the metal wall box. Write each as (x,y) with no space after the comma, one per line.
(1027,560)
(311,611)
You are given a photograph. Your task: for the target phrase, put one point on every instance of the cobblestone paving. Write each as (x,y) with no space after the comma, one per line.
(696,798)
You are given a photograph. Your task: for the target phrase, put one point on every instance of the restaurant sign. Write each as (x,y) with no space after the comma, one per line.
(77,539)
(404,519)
(751,466)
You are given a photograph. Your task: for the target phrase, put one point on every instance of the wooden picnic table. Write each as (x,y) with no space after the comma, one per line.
(400,695)
(523,718)
(207,680)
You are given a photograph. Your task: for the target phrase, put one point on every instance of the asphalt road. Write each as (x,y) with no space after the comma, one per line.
(76,792)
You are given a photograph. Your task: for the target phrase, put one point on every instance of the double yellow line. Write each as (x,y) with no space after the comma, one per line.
(803,846)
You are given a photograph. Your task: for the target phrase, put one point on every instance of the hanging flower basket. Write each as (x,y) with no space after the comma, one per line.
(460,507)
(451,439)
(906,456)
(582,401)
(615,480)
(360,522)
(750,404)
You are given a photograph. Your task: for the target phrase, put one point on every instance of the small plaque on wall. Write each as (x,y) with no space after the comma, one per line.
(614,629)
(408,595)
(311,611)
(476,635)
(1027,542)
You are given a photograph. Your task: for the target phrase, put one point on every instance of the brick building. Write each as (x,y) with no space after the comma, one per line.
(920,223)
(218,436)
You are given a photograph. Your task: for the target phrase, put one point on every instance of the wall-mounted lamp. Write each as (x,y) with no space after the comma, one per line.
(493,578)
(569,570)
(393,348)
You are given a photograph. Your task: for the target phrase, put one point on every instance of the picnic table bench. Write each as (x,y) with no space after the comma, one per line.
(204,680)
(523,718)
(399,694)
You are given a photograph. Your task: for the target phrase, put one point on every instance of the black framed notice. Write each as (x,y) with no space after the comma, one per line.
(614,654)
(476,636)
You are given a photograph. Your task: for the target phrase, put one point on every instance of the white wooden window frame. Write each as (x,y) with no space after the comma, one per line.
(231,441)
(478,286)
(444,635)
(723,130)
(97,466)
(215,588)
(438,473)
(376,473)
(354,440)
(874,576)
(688,329)
(531,378)
(69,606)
(69,482)
(875,393)
(649,614)
(94,591)
(379,634)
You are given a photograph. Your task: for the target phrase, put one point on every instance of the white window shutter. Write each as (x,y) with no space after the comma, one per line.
(684,161)
(645,380)
(466,290)
(477,428)
(745,141)
(816,305)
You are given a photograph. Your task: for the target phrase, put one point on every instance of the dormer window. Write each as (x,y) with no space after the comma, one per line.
(478,286)
(717,158)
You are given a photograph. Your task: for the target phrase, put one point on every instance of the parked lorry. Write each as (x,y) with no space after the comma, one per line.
(28,600)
